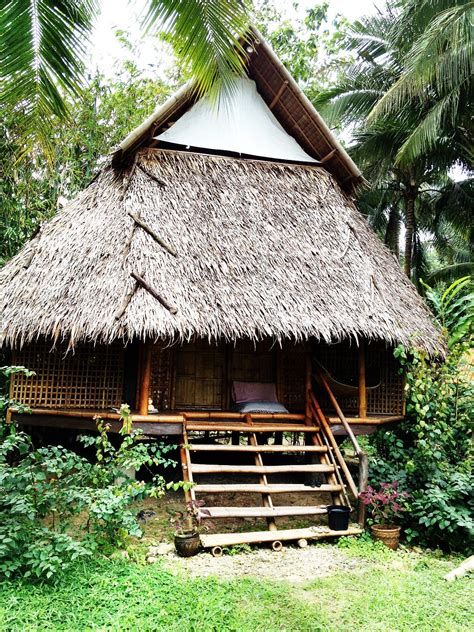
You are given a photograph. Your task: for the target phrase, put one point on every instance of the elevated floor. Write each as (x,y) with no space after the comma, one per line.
(172,423)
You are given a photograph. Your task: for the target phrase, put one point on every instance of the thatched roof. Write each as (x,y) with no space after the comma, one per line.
(284,97)
(262,249)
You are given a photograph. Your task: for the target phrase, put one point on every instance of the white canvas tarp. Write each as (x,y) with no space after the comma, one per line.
(240,123)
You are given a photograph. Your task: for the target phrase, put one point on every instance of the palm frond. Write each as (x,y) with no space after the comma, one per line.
(42,48)
(443,57)
(206,36)
(426,134)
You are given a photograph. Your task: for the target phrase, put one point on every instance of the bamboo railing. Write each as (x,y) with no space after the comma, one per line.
(361,455)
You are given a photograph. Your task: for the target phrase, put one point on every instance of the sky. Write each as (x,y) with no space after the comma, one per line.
(125,15)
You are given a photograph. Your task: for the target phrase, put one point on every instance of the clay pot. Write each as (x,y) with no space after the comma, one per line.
(187,544)
(389,534)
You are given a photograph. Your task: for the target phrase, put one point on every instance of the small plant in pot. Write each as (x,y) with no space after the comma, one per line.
(385,506)
(187,525)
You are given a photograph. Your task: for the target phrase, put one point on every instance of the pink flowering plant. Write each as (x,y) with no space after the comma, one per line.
(385,504)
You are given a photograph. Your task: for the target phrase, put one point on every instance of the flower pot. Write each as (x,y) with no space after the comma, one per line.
(389,534)
(338,517)
(187,544)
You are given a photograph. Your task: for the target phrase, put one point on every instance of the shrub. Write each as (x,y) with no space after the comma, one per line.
(430,453)
(56,506)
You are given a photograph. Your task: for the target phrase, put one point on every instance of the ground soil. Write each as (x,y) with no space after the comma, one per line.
(291,564)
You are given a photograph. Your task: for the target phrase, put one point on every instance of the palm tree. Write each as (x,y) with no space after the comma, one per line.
(43,46)
(400,189)
(438,71)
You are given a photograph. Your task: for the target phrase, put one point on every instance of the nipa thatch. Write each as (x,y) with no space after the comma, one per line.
(262,249)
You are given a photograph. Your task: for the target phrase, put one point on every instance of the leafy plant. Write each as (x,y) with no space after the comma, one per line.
(454,308)
(56,506)
(386,504)
(192,520)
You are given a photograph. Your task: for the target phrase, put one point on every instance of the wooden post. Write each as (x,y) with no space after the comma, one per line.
(363,482)
(145,377)
(308,386)
(362,385)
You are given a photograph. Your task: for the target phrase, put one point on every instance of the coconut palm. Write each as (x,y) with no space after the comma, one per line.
(401,190)
(438,71)
(43,44)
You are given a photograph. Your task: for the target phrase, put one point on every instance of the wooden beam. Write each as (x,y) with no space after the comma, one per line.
(139,222)
(311,533)
(240,427)
(328,156)
(277,96)
(90,413)
(173,310)
(149,428)
(362,381)
(145,378)
(125,302)
(220,447)
(265,512)
(201,468)
(256,488)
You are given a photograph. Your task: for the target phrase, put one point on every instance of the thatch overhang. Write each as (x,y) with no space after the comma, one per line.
(262,249)
(285,99)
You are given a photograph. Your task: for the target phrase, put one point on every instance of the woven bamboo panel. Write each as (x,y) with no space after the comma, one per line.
(292,376)
(161,375)
(200,376)
(253,362)
(341,360)
(90,377)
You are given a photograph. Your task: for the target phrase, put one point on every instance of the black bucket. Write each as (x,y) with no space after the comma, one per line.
(338,517)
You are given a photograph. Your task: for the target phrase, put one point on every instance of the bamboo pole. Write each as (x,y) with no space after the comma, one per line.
(141,281)
(362,381)
(145,378)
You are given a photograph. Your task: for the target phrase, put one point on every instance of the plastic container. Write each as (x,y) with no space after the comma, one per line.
(338,517)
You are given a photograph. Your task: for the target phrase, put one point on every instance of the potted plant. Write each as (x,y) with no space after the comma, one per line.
(187,524)
(385,506)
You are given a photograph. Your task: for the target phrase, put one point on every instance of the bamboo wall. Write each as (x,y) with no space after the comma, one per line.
(89,378)
(199,375)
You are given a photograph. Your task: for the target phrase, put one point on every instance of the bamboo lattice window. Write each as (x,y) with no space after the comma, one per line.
(341,360)
(89,377)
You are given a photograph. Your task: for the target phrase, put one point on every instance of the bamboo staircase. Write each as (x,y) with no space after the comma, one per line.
(307,434)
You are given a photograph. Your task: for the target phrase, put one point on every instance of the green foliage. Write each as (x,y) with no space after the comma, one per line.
(309,47)
(454,307)
(430,454)
(33,190)
(373,590)
(56,506)
(42,49)
(409,172)
(206,37)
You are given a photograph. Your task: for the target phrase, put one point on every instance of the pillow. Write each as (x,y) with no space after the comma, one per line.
(243,392)
(260,407)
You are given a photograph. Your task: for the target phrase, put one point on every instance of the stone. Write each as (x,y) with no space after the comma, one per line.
(119,554)
(165,548)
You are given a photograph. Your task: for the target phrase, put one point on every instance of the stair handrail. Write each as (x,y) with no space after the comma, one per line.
(361,455)
(327,431)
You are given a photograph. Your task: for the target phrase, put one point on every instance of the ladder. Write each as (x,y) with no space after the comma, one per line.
(307,435)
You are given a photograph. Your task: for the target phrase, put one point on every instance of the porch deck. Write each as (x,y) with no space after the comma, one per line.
(172,423)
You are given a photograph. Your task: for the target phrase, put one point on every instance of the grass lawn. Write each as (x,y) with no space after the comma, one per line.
(387,591)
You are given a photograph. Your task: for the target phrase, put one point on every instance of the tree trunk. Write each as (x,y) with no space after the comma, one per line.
(392,232)
(409,231)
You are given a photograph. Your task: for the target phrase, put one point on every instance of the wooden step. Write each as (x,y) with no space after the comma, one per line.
(311,533)
(204,468)
(220,447)
(263,512)
(254,488)
(240,427)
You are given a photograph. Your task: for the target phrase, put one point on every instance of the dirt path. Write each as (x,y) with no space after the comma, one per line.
(292,564)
